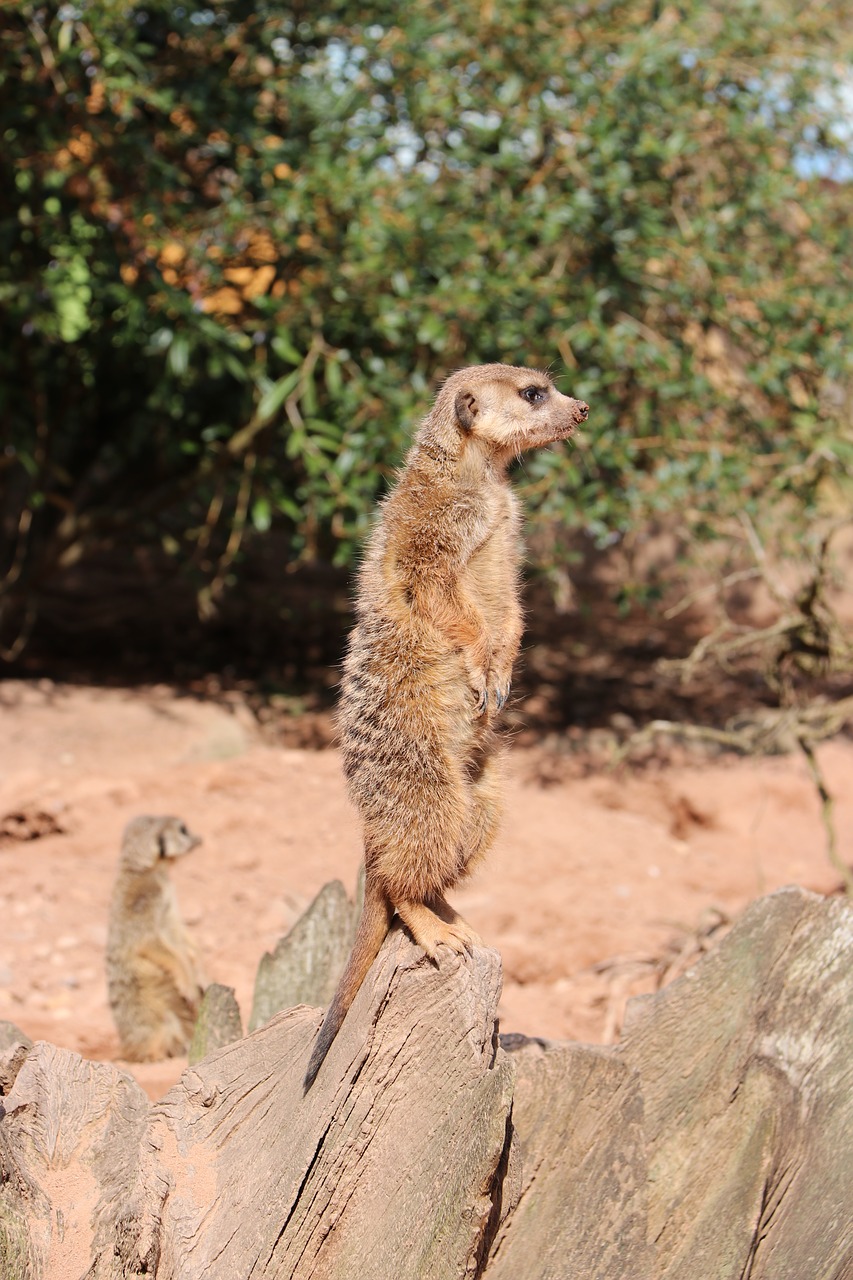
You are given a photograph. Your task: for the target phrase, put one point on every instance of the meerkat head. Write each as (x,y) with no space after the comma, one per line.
(502,410)
(150,841)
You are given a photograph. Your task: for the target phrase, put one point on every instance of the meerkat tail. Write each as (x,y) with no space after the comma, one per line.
(372,930)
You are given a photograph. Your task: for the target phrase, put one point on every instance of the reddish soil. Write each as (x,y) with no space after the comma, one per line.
(600,887)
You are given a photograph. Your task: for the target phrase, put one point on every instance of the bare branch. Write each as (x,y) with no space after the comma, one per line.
(10,652)
(210,594)
(712,588)
(40,37)
(826,813)
(764,733)
(15,569)
(776,587)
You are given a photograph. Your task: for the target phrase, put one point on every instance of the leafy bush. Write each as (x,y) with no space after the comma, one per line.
(239,243)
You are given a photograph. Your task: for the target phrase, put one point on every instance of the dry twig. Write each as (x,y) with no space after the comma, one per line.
(805,643)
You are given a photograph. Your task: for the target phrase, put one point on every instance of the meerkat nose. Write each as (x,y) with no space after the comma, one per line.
(582,410)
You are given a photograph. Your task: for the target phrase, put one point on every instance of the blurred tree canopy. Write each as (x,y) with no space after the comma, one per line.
(239,243)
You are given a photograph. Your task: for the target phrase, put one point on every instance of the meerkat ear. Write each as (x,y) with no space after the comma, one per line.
(466,408)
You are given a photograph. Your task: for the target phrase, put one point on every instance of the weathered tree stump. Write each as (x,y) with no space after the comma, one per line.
(307,962)
(716,1141)
(218,1022)
(582,1208)
(722,1122)
(11,1034)
(745,1067)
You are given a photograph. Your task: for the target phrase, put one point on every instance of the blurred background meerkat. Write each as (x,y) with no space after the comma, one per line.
(154,979)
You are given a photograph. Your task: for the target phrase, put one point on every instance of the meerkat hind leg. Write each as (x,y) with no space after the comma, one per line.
(442,908)
(429,930)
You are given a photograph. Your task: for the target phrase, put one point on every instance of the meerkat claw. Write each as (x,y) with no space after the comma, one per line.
(461,937)
(470,938)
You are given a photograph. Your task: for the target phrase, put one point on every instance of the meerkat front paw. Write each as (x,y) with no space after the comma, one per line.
(478,664)
(491,696)
(500,684)
(478,680)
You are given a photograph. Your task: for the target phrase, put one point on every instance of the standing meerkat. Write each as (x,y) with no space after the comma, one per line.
(429,662)
(154,980)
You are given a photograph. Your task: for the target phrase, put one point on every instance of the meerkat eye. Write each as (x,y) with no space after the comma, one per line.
(533,395)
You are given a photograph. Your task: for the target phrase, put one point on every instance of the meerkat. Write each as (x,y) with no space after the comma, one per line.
(429,661)
(154,979)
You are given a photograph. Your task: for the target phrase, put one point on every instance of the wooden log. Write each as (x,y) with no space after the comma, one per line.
(745,1069)
(218,1022)
(69,1145)
(404,1129)
(307,962)
(716,1140)
(388,1168)
(725,1118)
(577,1115)
(10,1035)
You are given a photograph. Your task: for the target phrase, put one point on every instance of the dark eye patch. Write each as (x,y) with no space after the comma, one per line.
(533,394)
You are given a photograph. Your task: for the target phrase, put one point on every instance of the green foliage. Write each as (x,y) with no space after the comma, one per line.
(239,243)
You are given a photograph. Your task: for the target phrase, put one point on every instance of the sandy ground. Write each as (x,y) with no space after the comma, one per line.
(599,887)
